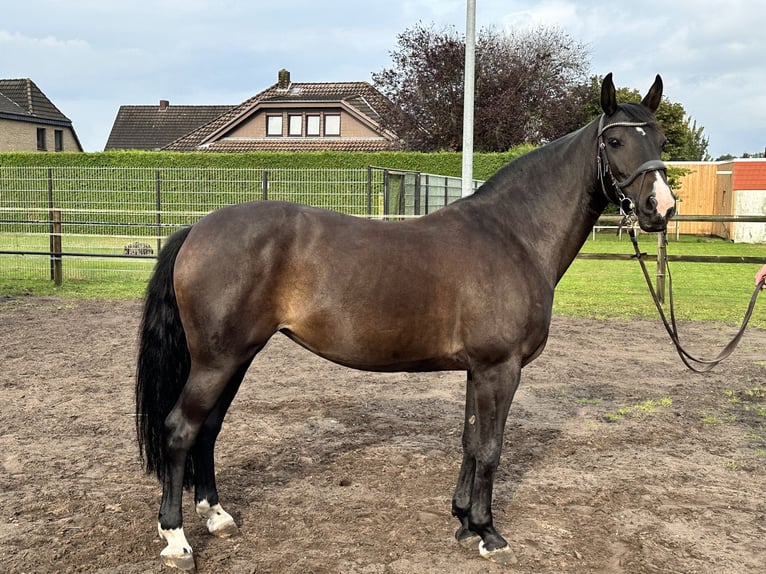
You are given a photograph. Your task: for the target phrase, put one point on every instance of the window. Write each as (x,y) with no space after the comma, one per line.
(41,139)
(312,125)
(274,125)
(332,125)
(294,125)
(58,140)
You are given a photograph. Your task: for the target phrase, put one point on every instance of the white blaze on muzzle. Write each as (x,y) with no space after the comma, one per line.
(663,195)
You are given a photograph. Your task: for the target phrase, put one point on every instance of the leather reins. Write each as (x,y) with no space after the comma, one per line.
(627,210)
(694,363)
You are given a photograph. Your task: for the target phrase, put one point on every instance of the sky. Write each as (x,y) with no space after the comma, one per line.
(91,56)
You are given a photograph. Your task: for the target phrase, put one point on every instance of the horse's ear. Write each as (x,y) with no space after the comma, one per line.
(654,96)
(608,95)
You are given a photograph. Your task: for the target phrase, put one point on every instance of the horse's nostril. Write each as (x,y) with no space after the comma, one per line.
(652,201)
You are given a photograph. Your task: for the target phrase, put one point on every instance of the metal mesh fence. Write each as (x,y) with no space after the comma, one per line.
(109,222)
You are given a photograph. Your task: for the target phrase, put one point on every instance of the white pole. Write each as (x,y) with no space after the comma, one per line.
(468,98)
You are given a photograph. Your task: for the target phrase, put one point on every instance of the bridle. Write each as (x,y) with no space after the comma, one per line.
(627,210)
(618,197)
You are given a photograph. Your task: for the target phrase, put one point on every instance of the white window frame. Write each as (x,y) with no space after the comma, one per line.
(311,129)
(274,125)
(332,125)
(295,125)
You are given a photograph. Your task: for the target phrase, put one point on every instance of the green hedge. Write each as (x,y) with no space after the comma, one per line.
(441,163)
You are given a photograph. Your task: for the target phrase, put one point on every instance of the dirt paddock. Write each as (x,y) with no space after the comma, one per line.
(616,458)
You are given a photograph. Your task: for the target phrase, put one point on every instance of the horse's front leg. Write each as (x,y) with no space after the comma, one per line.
(489,394)
(461,500)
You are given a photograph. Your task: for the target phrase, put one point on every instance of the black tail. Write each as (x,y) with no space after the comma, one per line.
(163,361)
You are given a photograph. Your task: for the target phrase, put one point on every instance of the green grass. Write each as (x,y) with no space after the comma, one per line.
(590,288)
(701,291)
(644,408)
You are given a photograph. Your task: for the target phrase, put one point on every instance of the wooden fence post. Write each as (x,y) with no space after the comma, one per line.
(56,248)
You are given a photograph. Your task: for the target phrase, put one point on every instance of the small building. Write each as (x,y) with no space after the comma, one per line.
(154,127)
(29,121)
(298,116)
(735,187)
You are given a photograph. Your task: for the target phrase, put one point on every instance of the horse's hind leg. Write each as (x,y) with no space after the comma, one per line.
(202,392)
(207,504)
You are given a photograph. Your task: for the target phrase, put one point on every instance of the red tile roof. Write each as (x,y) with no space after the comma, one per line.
(750,174)
(360,97)
(299,144)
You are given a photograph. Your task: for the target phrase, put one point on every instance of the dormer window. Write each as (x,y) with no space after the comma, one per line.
(302,124)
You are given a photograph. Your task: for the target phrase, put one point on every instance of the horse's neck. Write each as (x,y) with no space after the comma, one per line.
(547,200)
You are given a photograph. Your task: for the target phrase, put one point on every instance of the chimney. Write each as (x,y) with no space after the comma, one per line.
(283,79)
(164,105)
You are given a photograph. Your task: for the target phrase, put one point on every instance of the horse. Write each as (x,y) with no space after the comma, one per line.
(468,287)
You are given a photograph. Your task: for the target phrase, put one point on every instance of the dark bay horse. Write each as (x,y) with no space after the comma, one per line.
(469,287)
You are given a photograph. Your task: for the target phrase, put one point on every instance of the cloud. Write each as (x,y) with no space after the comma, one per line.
(96,55)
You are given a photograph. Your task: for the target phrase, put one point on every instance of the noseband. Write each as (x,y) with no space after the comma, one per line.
(626,205)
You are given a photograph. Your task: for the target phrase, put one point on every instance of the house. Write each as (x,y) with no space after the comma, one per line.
(295,116)
(154,127)
(30,122)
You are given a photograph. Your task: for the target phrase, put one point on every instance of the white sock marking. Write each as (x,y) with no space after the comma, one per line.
(177,543)
(217,518)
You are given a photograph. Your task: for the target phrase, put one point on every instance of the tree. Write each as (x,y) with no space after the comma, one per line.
(686,141)
(530,88)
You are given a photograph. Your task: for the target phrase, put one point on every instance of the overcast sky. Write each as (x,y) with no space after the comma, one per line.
(91,56)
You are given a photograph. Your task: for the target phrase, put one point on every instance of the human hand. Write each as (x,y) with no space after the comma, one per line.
(761,275)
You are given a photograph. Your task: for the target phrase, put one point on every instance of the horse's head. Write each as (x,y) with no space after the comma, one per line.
(631,171)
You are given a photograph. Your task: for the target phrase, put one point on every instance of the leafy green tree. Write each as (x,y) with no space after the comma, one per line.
(530,88)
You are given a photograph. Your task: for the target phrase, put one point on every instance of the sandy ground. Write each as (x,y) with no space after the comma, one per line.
(616,458)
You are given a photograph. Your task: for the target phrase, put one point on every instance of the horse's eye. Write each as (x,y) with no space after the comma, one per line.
(614,142)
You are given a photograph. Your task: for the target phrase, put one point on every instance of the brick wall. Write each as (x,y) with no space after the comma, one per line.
(22,136)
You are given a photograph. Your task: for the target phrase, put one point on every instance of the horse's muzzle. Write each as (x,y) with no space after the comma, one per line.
(658,206)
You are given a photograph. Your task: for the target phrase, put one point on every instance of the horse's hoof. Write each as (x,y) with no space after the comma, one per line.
(467,538)
(219,522)
(224,529)
(503,555)
(178,553)
(184,562)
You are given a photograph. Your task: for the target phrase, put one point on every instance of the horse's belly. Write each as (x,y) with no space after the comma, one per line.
(381,350)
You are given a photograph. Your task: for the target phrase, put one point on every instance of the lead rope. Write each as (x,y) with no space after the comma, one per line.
(672,328)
